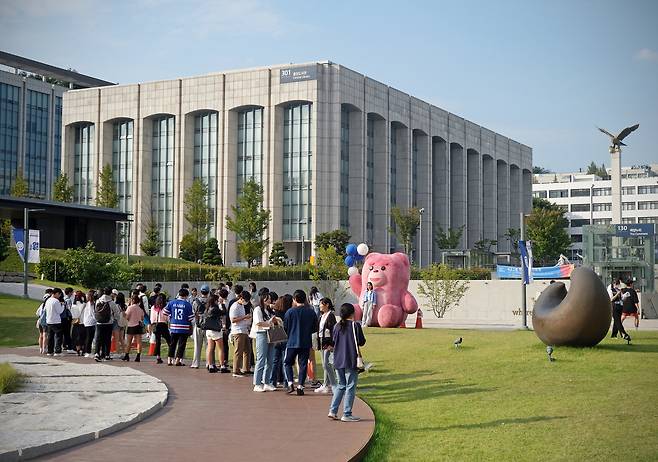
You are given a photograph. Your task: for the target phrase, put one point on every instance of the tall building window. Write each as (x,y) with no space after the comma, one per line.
(122,172)
(36,142)
(540,194)
(57,145)
(580,207)
(605,207)
(414,171)
(9,132)
(344,168)
(205,159)
(250,147)
(393,180)
(83,163)
(627,190)
(370,180)
(297,180)
(602,191)
(628,205)
(162,181)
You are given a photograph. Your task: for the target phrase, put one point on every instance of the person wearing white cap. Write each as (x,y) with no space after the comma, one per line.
(199,335)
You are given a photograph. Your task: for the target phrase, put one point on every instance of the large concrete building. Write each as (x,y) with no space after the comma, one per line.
(331,147)
(31,120)
(587,199)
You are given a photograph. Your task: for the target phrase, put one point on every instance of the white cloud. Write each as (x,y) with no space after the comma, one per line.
(646,54)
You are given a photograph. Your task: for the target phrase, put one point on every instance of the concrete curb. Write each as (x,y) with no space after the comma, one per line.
(40,450)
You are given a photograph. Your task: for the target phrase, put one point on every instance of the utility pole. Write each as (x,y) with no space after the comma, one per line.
(524,308)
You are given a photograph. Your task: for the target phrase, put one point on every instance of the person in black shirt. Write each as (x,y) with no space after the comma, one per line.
(630,303)
(615,293)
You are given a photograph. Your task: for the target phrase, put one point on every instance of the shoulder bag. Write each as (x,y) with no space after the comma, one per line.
(359,359)
(276,334)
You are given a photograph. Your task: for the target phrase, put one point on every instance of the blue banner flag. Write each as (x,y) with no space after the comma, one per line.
(19,239)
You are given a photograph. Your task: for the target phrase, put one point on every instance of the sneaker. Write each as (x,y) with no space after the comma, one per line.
(300,391)
(224,370)
(349,418)
(108,358)
(290,390)
(332,416)
(269,387)
(212,370)
(259,388)
(159,361)
(322,389)
(194,366)
(238,374)
(97,358)
(49,354)
(87,355)
(57,354)
(316,384)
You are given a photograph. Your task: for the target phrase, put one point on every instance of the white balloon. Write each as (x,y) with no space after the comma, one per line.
(362,249)
(352,270)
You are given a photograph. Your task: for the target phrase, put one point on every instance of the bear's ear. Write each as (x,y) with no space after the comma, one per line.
(401,258)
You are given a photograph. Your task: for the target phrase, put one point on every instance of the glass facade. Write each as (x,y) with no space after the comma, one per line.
(370,181)
(57,141)
(297,180)
(393,180)
(9,133)
(344,168)
(205,159)
(414,172)
(250,147)
(162,181)
(122,162)
(83,163)
(36,142)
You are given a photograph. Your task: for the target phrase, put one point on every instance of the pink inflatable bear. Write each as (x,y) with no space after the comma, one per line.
(389,274)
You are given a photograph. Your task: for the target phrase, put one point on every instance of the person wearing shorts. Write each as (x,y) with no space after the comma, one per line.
(631,303)
(134,315)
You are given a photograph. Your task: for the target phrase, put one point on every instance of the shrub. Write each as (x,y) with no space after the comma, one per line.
(10,378)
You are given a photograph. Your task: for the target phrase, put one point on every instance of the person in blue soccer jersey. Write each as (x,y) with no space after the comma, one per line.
(181,316)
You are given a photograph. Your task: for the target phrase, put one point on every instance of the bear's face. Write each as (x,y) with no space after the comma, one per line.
(384,269)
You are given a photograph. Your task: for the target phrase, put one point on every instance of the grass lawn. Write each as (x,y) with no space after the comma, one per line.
(498,398)
(18,321)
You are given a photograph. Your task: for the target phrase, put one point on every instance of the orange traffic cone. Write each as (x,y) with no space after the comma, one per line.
(310,371)
(152,345)
(113,345)
(419,319)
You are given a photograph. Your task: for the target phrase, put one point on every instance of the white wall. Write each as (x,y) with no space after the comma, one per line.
(495,303)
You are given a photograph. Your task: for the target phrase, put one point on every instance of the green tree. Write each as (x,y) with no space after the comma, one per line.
(197,214)
(539,203)
(152,244)
(513,235)
(211,253)
(441,288)
(249,222)
(278,255)
(5,239)
(449,239)
(537,170)
(62,190)
(20,188)
(190,249)
(88,268)
(405,226)
(107,191)
(592,169)
(484,245)
(327,271)
(337,239)
(546,229)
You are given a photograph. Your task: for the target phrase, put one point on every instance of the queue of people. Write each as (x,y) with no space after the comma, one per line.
(270,335)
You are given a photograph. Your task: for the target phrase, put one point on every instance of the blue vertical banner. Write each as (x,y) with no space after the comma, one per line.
(19,239)
(528,246)
(525,274)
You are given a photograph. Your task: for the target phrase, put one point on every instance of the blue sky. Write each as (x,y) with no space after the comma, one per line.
(542,72)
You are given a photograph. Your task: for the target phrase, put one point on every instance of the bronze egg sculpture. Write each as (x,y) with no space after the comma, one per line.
(578,317)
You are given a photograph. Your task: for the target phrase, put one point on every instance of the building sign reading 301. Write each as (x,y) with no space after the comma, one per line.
(298,74)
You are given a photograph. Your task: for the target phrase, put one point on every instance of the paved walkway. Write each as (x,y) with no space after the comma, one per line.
(34,291)
(61,404)
(218,417)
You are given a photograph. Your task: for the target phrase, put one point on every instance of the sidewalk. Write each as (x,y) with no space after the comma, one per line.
(218,417)
(34,291)
(62,404)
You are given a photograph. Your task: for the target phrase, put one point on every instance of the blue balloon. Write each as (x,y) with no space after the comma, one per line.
(349,260)
(351,250)
(360,257)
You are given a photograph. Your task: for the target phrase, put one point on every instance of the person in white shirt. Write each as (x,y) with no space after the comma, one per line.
(54,309)
(240,323)
(41,323)
(89,321)
(263,319)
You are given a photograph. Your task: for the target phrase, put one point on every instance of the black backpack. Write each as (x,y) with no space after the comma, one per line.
(103,312)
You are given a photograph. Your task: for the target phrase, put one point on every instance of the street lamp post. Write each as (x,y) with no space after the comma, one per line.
(26,245)
(524,308)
